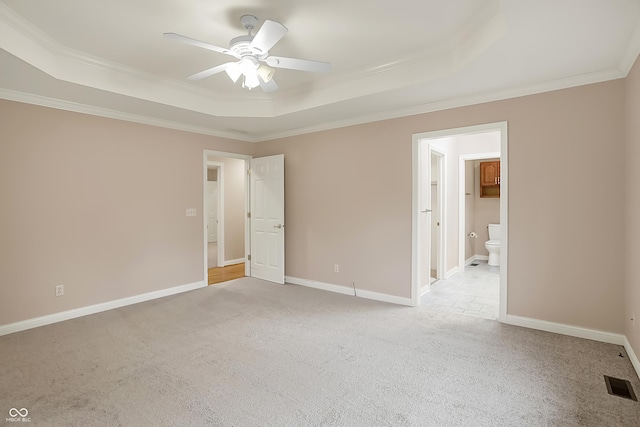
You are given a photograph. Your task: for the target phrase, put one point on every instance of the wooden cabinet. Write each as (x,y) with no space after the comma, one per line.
(490,179)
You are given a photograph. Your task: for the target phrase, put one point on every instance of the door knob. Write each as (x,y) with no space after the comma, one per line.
(278,226)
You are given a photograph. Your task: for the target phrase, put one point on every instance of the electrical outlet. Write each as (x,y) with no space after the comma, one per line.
(59,290)
(191,212)
(336,268)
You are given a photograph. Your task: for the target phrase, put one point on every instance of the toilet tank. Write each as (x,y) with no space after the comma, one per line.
(494,231)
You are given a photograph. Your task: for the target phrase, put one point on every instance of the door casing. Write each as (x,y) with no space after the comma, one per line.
(419,141)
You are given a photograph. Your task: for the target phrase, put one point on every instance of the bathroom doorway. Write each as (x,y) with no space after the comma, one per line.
(454,143)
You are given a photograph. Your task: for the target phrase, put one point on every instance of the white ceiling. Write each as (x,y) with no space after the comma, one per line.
(389,58)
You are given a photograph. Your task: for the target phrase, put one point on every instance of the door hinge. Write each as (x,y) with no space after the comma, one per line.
(248,214)
(249,257)
(248,171)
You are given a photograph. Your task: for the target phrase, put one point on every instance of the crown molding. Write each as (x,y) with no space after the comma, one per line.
(559,84)
(632,52)
(59,104)
(565,83)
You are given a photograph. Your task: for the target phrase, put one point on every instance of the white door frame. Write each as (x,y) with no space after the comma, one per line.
(441,243)
(418,140)
(247,234)
(220,225)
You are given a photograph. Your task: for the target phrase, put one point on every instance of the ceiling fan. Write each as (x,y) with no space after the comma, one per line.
(253,53)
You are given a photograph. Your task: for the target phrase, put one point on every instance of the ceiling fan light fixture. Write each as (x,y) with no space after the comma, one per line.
(234,72)
(250,51)
(266,73)
(251,80)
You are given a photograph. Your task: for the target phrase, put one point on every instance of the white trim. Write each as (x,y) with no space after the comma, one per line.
(559,328)
(504,219)
(96,308)
(416,170)
(59,104)
(510,93)
(426,288)
(451,272)
(319,285)
(346,290)
(633,49)
(383,297)
(464,101)
(220,213)
(476,258)
(442,209)
(417,140)
(233,261)
(632,356)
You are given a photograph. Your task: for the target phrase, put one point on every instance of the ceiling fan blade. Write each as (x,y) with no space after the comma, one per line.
(298,64)
(268,35)
(198,43)
(269,86)
(211,71)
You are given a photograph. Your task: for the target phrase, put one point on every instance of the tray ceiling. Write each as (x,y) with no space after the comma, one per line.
(388,58)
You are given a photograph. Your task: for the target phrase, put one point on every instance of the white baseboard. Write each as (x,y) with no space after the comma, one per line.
(559,328)
(96,308)
(348,291)
(575,331)
(476,258)
(451,272)
(632,356)
(233,261)
(383,297)
(320,285)
(424,289)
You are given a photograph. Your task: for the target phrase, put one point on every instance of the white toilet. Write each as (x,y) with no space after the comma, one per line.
(493,244)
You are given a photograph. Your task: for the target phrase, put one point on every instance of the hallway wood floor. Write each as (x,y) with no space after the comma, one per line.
(224,274)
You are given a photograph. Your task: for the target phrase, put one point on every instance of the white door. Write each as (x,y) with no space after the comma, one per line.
(212,211)
(267,218)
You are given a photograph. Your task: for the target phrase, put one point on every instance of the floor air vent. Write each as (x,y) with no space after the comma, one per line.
(474,264)
(621,388)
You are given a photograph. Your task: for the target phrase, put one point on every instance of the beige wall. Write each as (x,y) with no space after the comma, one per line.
(361,219)
(632,193)
(487,211)
(234,210)
(212,174)
(83,206)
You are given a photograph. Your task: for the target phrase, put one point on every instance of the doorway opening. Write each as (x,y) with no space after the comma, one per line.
(225,207)
(250,216)
(456,146)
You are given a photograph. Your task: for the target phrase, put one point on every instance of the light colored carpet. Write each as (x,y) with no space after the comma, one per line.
(251,353)
(212,254)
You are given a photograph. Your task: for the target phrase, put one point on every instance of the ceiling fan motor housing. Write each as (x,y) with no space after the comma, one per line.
(242,47)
